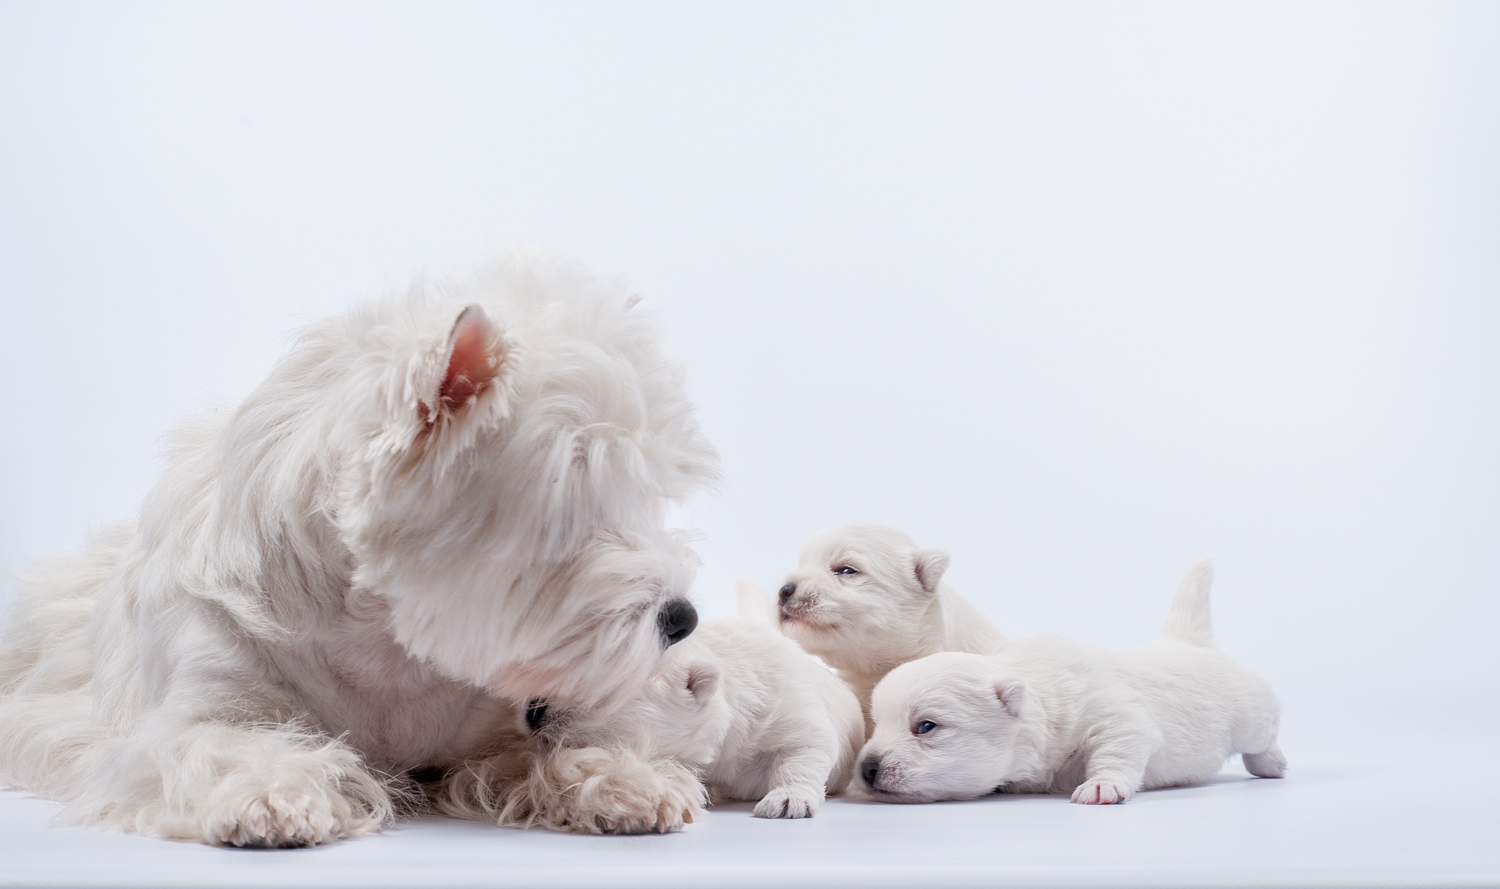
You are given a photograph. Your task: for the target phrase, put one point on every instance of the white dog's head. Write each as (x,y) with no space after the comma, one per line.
(947,726)
(494,460)
(859,594)
(680,713)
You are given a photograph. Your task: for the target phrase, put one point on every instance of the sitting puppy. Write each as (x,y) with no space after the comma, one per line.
(1048,715)
(745,707)
(866,599)
(439,502)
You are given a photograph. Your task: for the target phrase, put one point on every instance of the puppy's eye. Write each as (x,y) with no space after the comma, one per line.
(845,570)
(924,727)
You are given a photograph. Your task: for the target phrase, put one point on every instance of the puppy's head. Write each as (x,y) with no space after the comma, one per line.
(947,726)
(680,713)
(501,454)
(859,594)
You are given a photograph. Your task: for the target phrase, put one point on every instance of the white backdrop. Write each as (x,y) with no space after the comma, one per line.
(1080,293)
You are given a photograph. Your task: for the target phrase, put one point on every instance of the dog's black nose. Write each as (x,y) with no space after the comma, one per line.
(869,770)
(788,591)
(677,620)
(536,713)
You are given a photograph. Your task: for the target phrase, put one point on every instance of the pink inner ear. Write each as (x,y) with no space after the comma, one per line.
(1009,694)
(471,365)
(700,679)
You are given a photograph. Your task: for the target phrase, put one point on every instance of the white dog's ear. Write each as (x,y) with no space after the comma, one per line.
(473,360)
(929,565)
(1011,693)
(702,679)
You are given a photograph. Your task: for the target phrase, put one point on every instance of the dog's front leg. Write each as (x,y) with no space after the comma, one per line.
(220,753)
(798,782)
(599,790)
(227,783)
(1114,767)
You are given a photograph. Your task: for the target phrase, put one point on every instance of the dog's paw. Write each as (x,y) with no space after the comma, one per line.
(1103,792)
(281,816)
(593,790)
(783,802)
(625,804)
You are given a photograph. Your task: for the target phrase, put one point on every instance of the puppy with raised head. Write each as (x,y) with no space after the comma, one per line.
(738,703)
(866,599)
(1047,715)
(436,504)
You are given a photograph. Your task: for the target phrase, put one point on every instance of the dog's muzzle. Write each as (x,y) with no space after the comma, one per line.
(677,619)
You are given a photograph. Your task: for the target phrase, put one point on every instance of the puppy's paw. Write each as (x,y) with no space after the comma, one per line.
(1269,763)
(1101,792)
(789,802)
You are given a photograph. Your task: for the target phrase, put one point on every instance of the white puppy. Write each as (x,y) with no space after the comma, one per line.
(434,503)
(740,704)
(1049,715)
(866,599)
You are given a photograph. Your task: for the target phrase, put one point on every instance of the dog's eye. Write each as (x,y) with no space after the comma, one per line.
(924,727)
(845,570)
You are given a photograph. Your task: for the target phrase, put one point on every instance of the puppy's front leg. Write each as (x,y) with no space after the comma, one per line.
(1115,767)
(798,782)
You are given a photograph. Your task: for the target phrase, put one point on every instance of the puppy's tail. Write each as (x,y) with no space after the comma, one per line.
(753,602)
(1188,621)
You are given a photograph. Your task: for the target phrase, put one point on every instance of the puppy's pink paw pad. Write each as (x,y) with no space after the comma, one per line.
(1101,793)
(782,803)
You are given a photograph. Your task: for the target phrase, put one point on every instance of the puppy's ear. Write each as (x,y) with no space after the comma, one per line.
(473,360)
(929,565)
(1011,693)
(702,679)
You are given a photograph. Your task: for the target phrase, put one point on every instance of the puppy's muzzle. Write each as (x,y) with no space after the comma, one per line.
(676,620)
(784,600)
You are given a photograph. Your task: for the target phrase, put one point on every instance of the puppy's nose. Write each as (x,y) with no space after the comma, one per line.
(677,619)
(788,591)
(869,770)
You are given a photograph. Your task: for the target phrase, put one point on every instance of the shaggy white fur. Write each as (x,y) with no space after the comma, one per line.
(437,502)
(1049,715)
(866,599)
(739,704)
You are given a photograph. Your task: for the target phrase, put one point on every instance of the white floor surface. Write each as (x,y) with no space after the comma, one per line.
(1344,817)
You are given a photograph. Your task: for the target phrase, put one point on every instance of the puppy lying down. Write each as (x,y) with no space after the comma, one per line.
(1049,715)
(738,703)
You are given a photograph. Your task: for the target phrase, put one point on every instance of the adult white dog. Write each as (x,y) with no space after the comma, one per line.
(739,704)
(435,503)
(866,599)
(1049,715)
